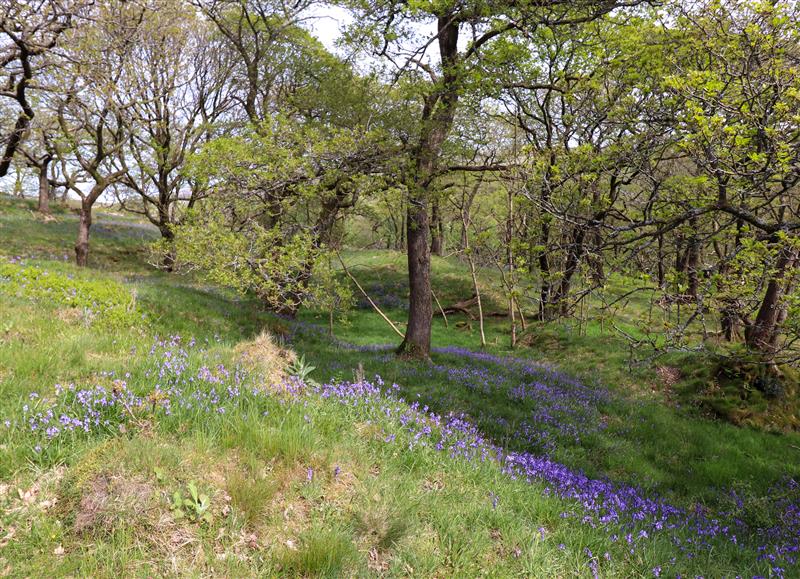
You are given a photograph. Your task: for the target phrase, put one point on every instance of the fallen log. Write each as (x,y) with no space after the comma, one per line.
(462,307)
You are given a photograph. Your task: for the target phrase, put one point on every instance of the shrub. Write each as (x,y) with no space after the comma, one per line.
(102,301)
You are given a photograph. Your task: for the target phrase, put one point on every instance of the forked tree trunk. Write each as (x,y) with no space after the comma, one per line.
(437,119)
(85,221)
(763,334)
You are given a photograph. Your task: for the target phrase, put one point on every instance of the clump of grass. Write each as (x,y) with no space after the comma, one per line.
(265,355)
(322,553)
(381,525)
(291,440)
(250,492)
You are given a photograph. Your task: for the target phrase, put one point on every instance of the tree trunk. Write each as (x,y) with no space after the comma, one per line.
(437,119)
(595,258)
(85,221)
(82,245)
(546,291)
(510,264)
(729,323)
(544,271)
(478,296)
(661,271)
(168,235)
(574,255)
(693,261)
(437,230)
(763,334)
(417,341)
(19,190)
(44,187)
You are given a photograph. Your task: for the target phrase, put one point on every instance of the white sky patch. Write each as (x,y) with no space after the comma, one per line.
(326,23)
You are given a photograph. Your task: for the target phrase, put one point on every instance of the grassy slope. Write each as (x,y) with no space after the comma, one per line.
(651,439)
(405,512)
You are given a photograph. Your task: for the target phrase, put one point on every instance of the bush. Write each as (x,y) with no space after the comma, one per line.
(102,301)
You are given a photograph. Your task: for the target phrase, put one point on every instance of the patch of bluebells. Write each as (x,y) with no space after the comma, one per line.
(386,295)
(560,408)
(76,410)
(557,408)
(109,405)
(626,514)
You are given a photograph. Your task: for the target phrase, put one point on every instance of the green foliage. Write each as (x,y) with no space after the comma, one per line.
(195,506)
(251,259)
(299,368)
(329,293)
(105,302)
(277,191)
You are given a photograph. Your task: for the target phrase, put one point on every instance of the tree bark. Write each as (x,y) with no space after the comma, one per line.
(693,260)
(763,334)
(44,187)
(84,225)
(661,271)
(437,119)
(437,231)
(168,235)
(574,255)
(417,341)
(510,264)
(85,219)
(477,291)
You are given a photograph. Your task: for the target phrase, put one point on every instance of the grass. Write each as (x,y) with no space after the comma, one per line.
(310,487)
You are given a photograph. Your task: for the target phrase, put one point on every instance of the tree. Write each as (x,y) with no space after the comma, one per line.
(28,32)
(276,193)
(580,98)
(393,29)
(738,79)
(89,109)
(267,50)
(173,90)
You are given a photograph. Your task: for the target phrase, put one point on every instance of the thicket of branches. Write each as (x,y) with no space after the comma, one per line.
(559,143)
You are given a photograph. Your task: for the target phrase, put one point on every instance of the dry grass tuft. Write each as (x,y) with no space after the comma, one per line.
(669,375)
(109,499)
(70,315)
(266,356)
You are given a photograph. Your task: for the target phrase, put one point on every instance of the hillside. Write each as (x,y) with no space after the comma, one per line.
(151,428)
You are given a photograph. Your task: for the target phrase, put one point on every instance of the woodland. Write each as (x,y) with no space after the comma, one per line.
(566,233)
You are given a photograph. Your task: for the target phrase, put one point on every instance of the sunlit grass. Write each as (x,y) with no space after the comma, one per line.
(313,488)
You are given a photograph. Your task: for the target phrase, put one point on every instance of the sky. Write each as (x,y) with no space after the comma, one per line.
(326,23)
